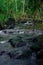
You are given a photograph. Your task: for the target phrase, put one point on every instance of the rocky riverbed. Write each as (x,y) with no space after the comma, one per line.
(20,49)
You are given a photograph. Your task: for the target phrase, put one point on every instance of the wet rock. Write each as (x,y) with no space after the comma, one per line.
(2,52)
(11,42)
(18,42)
(11,55)
(10,23)
(1,27)
(20,53)
(40,54)
(35,48)
(24,55)
(14,54)
(5,32)
(35,40)
(11,26)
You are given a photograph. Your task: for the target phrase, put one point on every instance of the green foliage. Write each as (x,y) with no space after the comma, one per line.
(15,8)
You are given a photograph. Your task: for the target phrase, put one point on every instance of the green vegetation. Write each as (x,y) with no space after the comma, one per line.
(21,8)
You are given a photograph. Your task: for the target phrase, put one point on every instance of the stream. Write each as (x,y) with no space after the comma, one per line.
(5,46)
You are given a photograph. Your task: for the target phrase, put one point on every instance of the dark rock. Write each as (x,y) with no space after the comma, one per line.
(11,23)
(11,26)
(34,40)
(23,21)
(17,55)
(40,54)
(37,21)
(12,44)
(24,55)
(5,32)
(35,48)
(11,55)
(2,52)
(19,42)
(1,27)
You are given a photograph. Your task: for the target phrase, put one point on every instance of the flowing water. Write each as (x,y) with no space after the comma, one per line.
(6,60)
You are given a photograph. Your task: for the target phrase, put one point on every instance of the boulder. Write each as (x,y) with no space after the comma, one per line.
(19,54)
(17,42)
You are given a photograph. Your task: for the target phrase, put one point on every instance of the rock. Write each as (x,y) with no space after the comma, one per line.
(35,48)
(20,53)
(12,44)
(2,52)
(14,54)
(17,42)
(10,23)
(24,55)
(20,44)
(11,26)
(1,27)
(5,31)
(35,40)
(11,55)
(40,54)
